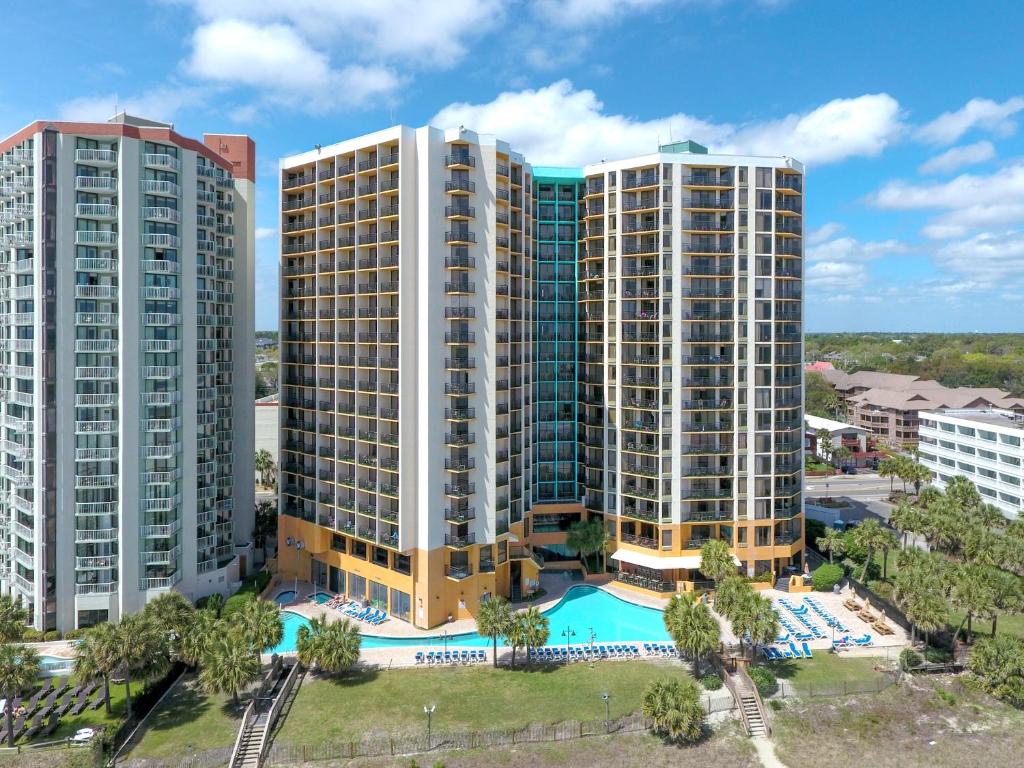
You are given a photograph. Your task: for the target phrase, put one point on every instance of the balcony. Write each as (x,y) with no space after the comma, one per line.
(454,186)
(459,542)
(458,572)
(96,183)
(460,160)
(104,157)
(459,515)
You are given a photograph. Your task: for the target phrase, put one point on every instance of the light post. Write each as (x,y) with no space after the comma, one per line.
(429,711)
(444,634)
(298,545)
(568,634)
(607,709)
(593,637)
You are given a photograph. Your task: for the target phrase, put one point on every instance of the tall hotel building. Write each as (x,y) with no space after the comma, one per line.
(477,353)
(126,283)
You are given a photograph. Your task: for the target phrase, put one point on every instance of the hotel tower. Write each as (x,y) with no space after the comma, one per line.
(126,381)
(477,353)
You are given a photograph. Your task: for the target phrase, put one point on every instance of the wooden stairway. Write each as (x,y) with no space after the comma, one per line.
(248,754)
(752,716)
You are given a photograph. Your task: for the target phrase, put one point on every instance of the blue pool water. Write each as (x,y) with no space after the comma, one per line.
(51,666)
(322,597)
(283,598)
(582,608)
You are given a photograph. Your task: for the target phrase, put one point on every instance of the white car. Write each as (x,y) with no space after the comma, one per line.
(83,735)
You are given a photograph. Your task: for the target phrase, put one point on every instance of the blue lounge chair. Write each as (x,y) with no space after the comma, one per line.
(482,655)
(419,657)
(807,651)
(647,648)
(465,657)
(795,651)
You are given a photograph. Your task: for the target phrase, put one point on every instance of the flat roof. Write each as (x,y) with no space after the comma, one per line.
(543,172)
(816,423)
(991,416)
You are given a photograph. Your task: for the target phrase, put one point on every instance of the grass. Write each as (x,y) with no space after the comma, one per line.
(930,721)
(474,698)
(727,747)
(97,718)
(189,717)
(248,591)
(826,670)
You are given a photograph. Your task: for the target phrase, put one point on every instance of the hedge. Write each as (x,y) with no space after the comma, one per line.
(827,576)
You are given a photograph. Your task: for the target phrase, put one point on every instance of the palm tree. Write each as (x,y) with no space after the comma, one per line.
(536,628)
(927,496)
(587,537)
(716,560)
(12,619)
(96,656)
(832,542)
(19,668)
(259,625)
(906,518)
(265,524)
(332,646)
(887,468)
(515,635)
(730,594)
(173,613)
(840,455)
(1008,589)
(927,611)
(755,617)
(264,465)
(215,603)
(492,620)
(675,708)
(972,592)
(692,627)
(824,438)
(308,639)
(871,537)
(138,648)
(228,666)
(198,637)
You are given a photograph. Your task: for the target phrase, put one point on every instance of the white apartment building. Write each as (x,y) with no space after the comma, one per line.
(985,445)
(477,353)
(126,327)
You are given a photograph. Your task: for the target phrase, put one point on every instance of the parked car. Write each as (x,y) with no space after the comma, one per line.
(849,469)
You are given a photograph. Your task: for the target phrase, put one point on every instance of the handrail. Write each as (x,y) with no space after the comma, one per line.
(275,711)
(742,674)
(241,731)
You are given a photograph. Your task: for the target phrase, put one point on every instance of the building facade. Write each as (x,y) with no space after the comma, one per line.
(127,283)
(985,445)
(620,341)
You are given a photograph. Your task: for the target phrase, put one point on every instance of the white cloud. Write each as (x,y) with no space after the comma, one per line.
(958,157)
(589,13)
(828,276)
(161,103)
(264,232)
(969,201)
(992,260)
(825,232)
(984,114)
(559,124)
(848,250)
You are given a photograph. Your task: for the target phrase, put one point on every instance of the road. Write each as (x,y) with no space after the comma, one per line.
(865,491)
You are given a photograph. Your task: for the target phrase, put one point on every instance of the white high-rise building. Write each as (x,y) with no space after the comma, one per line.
(126,332)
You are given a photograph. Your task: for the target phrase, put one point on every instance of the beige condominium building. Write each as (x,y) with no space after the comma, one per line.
(477,353)
(126,284)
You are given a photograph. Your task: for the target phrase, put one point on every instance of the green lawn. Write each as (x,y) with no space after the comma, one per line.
(826,669)
(189,716)
(468,698)
(95,718)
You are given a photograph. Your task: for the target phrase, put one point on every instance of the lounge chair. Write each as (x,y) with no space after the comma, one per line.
(482,655)
(465,657)
(419,657)
(862,641)
(774,654)
(807,651)
(430,657)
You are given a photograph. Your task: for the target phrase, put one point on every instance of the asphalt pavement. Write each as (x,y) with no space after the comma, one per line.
(866,492)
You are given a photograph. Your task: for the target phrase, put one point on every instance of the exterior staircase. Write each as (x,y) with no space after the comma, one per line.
(254,734)
(782,584)
(752,716)
(248,754)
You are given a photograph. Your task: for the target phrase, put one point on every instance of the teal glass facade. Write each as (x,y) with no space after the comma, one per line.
(554,468)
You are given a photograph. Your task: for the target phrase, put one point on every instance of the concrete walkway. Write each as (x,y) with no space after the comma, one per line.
(766,753)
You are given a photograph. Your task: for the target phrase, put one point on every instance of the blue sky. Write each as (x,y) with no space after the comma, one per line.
(905,113)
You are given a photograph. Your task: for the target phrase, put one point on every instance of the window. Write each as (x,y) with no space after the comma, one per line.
(666,539)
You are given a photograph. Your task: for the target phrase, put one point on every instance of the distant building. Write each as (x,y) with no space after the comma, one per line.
(887,404)
(843,435)
(985,445)
(819,366)
(262,342)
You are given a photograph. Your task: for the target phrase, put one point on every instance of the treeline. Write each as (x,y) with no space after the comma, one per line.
(952,359)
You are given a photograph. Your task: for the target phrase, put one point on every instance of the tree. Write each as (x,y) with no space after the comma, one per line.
(12,619)
(832,542)
(674,706)
(587,537)
(96,657)
(871,537)
(972,592)
(259,625)
(998,662)
(493,619)
(888,468)
(906,518)
(536,628)
(331,646)
(228,666)
(264,465)
(215,603)
(515,634)
(730,594)
(172,613)
(19,668)
(716,560)
(755,618)
(841,455)
(825,446)
(198,636)
(264,524)
(693,629)
(139,650)
(1008,590)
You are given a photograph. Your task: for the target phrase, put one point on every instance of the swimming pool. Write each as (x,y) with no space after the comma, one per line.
(321,597)
(581,609)
(50,666)
(283,598)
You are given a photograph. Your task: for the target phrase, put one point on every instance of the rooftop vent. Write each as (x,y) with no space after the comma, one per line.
(684,146)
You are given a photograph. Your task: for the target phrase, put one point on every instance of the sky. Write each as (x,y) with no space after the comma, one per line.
(906,114)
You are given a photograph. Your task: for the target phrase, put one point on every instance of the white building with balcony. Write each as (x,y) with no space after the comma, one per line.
(126,323)
(984,445)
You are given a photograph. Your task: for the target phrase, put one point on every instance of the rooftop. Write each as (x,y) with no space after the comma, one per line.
(992,416)
(816,423)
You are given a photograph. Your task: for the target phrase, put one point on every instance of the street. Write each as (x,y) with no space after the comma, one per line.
(865,491)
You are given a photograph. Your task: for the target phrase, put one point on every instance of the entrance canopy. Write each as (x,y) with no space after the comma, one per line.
(689,562)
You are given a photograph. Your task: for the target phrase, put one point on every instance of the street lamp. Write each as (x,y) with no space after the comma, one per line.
(298,545)
(568,634)
(444,634)
(593,637)
(429,711)
(607,709)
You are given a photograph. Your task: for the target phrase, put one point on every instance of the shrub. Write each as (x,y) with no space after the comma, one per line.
(31,635)
(775,705)
(262,579)
(765,578)
(910,659)
(937,655)
(711,682)
(765,681)
(827,576)
(74,634)
(52,635)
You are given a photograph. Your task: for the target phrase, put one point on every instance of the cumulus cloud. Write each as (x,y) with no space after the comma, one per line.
(983,114)
(959,157)
(988,259)
(829,276)
(825,232)
(969,201)
(560,124)
(160,103)
(848,250)
(265,232)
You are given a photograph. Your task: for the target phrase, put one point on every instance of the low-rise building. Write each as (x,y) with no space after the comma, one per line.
(843,436)
(985,445)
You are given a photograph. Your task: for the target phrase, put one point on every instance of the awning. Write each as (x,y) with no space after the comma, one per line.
(690,562)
